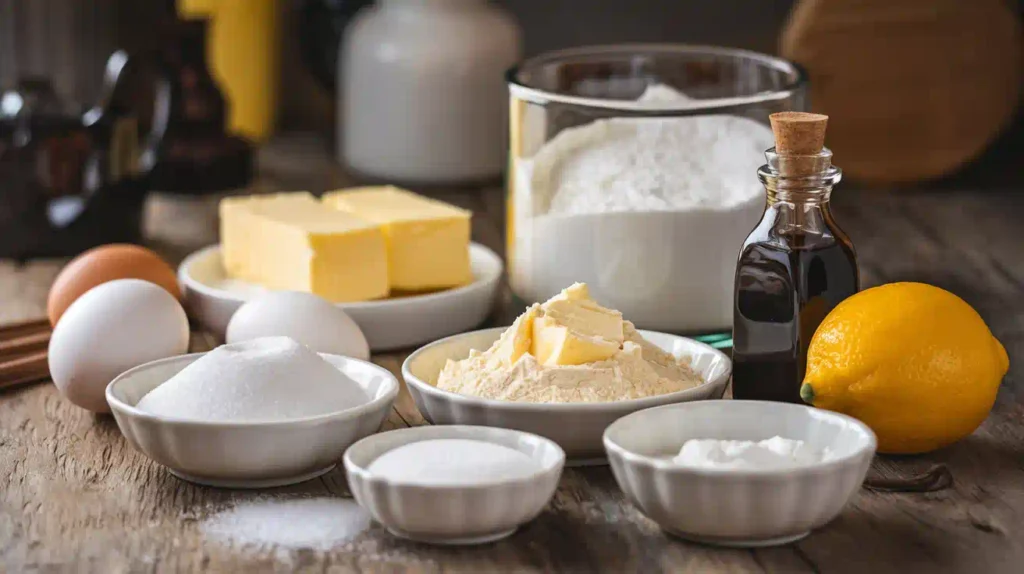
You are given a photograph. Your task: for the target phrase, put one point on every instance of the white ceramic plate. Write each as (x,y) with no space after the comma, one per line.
(576,427)
(388,324)
(454,514)
(745,508)
(247,455)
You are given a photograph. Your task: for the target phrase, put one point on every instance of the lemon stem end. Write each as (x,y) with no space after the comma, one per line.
(807,393)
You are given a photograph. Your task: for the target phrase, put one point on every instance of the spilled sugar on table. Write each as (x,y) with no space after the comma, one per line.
(74,496)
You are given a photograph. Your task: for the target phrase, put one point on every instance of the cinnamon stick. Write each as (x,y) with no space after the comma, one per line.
(25,380)
(22,328)
(24,345)
(35,364)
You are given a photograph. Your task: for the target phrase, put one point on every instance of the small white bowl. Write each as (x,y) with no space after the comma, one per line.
(388,324)
(576,427)
(250,454)
(742,508)
(454,515)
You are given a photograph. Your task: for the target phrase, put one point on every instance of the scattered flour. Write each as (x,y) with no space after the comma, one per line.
(268,379)
(315,523)
(452,462)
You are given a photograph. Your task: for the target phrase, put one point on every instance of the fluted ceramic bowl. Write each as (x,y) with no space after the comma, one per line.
(248,454)
(454,515)
(729,507)
(576,427)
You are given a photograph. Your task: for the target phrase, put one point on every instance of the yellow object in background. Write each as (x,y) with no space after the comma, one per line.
(244,56)
(914,362)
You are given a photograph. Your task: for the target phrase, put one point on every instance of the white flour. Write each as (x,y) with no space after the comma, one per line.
(268,379)
(452,462)
(650,212)
(658,164)
(315,523)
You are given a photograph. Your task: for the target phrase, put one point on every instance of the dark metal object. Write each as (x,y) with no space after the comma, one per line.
(68,182)
(321,25)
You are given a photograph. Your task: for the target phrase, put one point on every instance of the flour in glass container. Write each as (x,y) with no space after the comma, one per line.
(650,212)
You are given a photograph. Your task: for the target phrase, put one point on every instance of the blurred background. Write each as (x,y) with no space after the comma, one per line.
(945,76)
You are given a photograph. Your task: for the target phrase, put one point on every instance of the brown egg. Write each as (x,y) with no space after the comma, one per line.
(107,263)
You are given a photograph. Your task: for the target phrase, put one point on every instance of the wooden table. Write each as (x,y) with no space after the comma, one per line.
(75,496)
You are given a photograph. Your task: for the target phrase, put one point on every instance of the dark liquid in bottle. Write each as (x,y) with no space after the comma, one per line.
(783,292)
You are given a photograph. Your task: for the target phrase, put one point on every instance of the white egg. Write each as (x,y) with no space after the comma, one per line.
(307,318)
(111,328)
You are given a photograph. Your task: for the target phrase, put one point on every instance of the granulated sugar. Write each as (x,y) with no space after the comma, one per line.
(315,523)
(452,462)
(268,379)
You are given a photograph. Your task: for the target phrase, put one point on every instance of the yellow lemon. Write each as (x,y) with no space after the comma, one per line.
(914,362)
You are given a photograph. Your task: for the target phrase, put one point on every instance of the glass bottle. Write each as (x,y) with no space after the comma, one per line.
(794,267)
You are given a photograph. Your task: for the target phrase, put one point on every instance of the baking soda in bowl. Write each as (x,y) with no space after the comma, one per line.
(452,462)
(772,454)
(262,380)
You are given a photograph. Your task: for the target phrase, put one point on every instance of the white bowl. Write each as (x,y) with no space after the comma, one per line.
(454,514)
(388,324)
(247,455)
(576,427)
(745,508)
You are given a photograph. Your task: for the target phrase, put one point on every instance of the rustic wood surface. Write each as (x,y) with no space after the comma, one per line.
(75,497)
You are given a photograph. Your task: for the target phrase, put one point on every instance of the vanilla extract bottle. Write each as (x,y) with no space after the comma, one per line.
(794,267)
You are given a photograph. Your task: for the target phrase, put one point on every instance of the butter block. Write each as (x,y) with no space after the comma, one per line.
(291,241)
(573,329)
(427,240)
(554,344)
(516,340)
(584,315)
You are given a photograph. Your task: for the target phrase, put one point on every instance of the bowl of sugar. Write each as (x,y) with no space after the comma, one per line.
(454,485)
(257,414)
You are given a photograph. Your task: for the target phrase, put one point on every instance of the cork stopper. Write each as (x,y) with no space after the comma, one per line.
(799,139)
(798,133)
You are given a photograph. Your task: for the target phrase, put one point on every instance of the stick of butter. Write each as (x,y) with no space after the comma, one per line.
(427,240)
(573,329)
(291,241)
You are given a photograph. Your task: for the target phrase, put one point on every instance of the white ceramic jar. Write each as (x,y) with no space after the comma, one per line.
(423,96)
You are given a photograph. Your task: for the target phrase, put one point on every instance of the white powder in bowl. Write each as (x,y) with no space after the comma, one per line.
(452,462)
(262,380)
(316,523)
(774,453)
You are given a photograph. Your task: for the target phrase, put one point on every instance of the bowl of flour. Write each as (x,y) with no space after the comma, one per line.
(633,169)
(576,427)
